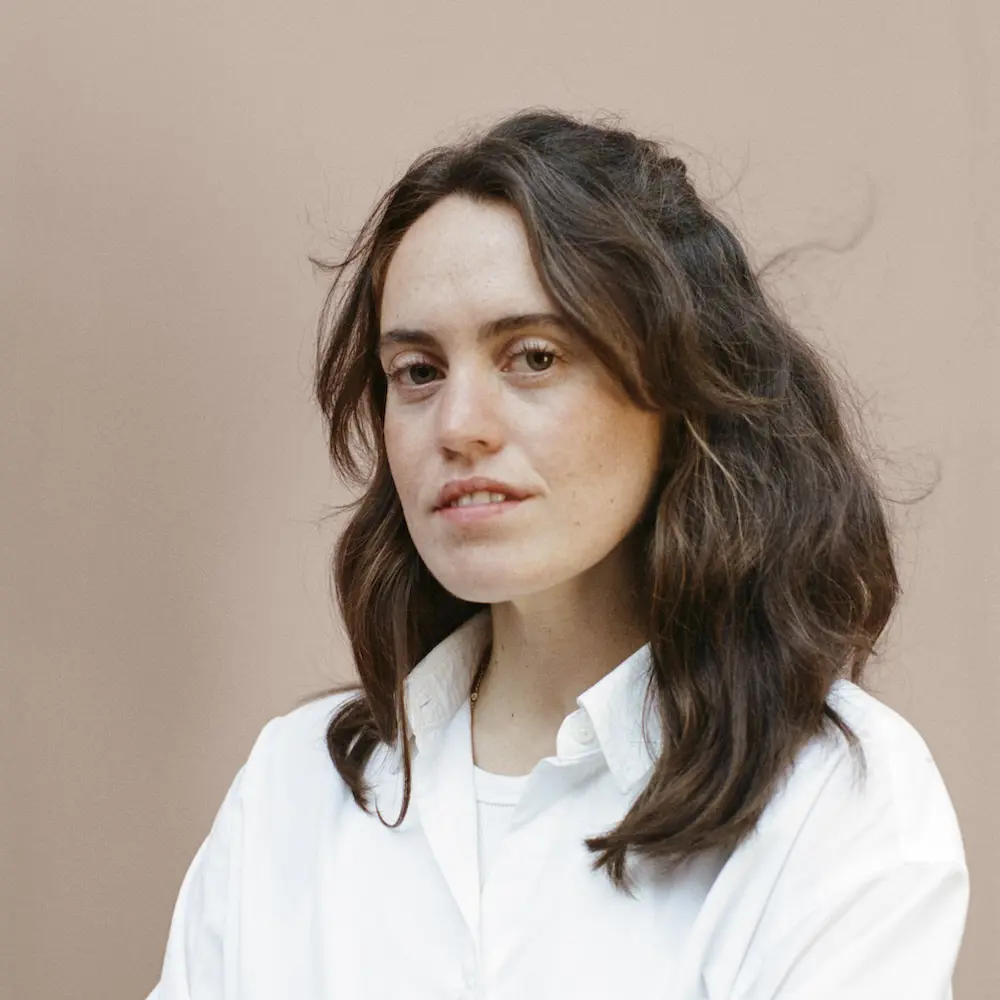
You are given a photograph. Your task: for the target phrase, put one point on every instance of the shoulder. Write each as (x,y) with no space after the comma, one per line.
(864,862)
(289,759)
(875,723)
(904,774)
(889,801)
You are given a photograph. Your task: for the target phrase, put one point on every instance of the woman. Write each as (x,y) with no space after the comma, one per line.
(611,584)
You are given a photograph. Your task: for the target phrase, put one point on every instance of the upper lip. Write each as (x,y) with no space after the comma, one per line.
(456,488)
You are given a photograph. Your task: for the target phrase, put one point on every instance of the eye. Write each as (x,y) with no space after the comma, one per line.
(538,358)
(421,373)
(414,374)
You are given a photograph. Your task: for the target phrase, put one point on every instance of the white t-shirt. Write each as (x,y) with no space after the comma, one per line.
(845,889)
(497,796)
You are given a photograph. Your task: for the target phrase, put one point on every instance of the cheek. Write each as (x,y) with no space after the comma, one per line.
(609,464)
(402,457)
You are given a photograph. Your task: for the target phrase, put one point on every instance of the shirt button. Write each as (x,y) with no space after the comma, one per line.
(582,730)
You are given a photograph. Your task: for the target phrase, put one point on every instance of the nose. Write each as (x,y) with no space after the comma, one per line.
(469,414)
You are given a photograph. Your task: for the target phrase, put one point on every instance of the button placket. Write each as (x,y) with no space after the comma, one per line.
(470,973)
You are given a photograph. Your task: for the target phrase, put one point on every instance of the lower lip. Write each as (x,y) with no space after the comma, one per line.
(476,512)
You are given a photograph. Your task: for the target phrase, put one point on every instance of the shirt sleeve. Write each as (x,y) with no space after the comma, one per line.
(201,944)
(892,933)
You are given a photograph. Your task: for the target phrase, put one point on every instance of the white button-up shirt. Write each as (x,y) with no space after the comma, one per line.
(845,890)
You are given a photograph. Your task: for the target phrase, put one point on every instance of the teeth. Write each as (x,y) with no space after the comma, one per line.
(481,497)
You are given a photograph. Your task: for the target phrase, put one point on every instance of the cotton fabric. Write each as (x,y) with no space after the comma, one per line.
(497,796)
(847,888)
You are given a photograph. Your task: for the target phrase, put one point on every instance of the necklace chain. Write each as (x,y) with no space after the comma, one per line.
(480,674)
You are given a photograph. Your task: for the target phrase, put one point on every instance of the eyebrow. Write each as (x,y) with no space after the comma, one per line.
(488,331)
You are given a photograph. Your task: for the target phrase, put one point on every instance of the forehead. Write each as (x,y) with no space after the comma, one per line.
(461,263)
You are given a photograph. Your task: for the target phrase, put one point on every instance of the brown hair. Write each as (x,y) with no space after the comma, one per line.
(765,557)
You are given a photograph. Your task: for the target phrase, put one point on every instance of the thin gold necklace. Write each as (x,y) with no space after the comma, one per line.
(480,674)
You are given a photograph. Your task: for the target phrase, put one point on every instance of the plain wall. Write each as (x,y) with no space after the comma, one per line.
(164,171)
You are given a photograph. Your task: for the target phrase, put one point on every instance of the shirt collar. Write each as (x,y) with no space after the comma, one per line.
(439,685)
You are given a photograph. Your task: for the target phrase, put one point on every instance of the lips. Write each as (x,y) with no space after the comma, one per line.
(456,488)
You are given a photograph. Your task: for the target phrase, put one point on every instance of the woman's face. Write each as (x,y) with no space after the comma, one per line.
(485,401)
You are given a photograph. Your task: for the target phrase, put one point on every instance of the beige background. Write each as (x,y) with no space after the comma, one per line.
(164,170)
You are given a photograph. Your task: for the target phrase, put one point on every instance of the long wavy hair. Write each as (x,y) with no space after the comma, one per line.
(763,557)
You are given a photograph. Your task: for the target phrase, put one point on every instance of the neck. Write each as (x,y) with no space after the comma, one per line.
(550,649)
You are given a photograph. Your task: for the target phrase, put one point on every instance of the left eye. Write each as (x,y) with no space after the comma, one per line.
(536,360)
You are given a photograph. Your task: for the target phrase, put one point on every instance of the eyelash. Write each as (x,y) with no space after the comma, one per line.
(395,373)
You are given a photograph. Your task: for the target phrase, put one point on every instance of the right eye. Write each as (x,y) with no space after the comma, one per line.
(419,373)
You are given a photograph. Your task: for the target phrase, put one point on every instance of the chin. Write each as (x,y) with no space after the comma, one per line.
(477,590)
(485,584)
